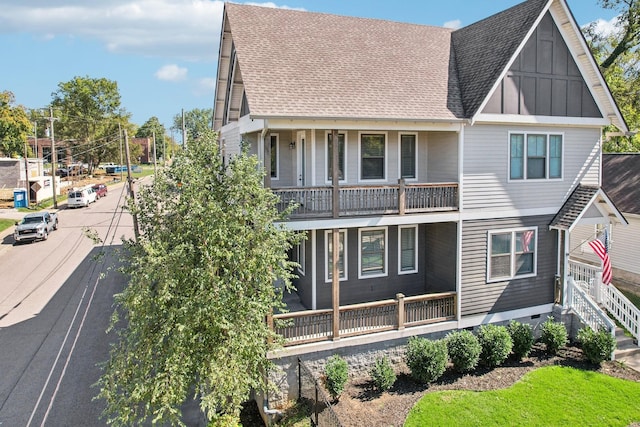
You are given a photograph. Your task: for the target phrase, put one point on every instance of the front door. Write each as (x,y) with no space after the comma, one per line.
(300,158)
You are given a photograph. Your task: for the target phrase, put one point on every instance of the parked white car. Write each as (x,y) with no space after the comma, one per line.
(79,197)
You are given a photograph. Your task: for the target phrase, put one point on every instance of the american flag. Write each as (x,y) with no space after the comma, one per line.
(600,248)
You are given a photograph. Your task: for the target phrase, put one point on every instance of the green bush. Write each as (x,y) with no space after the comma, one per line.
(496,344)
(522,337)
(553,335)
(426,359)
(382,374)
(336,374)
(464,350)
(596,346)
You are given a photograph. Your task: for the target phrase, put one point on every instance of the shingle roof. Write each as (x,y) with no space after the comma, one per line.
(304,64)
(573,207)
(483,50)
(621,180)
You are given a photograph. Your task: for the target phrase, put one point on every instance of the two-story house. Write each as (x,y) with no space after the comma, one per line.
(437,173)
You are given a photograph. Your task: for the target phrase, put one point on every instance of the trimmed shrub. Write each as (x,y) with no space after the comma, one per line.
(522,338)
(336,374)
(554,335)
(426,359)
(382,374)
(596,346)
(464,350)
(496,344)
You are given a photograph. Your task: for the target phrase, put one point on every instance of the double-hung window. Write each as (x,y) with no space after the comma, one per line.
(373,252)
(408,249)
(512,254)
(341,156)
(342,255)
(408,156)
(535,156)
(274,156)
(373,149)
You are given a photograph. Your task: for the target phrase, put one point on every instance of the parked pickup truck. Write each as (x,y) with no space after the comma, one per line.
(35,226)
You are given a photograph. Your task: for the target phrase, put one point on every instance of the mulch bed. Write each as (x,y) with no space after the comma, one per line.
(361,405)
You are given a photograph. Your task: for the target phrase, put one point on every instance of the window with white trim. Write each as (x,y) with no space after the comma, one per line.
(512,253)
(328,255)
(408,155)
(274,156)
(372,260)
(535,156)
(341,156)
(407,249)
(373,149)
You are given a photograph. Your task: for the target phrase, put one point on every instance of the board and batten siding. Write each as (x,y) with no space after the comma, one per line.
(479,297)
(486,168)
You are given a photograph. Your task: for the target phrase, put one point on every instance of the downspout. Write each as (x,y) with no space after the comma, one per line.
(459,234)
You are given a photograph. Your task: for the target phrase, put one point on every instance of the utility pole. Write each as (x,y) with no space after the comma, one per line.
(184,132)
(130,180)
(155,163)
(26,174)
(53,159)
(121,160)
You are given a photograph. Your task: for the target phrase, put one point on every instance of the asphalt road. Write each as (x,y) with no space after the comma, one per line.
(55,307)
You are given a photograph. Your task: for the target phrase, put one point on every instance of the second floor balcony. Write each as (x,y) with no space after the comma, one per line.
(400,199)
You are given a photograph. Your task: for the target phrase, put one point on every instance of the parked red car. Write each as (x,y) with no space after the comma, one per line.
(101,190)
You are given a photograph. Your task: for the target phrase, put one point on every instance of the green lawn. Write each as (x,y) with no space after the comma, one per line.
(549,396)
(6,223)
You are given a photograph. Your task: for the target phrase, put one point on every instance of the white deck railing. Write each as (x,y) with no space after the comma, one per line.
(589,278)
(587,309)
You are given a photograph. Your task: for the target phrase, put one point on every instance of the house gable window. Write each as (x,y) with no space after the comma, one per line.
(372,260)
(512,254)
(535,156)
(342,143)
(408,156)
(373,151)
(408,249)
(275,163)
(328,255)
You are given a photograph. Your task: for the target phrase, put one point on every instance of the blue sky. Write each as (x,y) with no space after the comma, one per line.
(162,53)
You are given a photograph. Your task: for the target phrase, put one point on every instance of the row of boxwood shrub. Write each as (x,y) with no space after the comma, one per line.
(493,344)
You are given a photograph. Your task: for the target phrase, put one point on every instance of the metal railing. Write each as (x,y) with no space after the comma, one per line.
(314,399)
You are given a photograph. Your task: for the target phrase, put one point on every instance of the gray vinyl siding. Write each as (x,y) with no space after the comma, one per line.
(486,168)
(478,296)
(230,136)
(441,250)
(443,157)
(441,253)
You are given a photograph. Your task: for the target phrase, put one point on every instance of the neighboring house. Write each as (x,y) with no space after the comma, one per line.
(463,160)
(146,144)
(41,148)
(621,181)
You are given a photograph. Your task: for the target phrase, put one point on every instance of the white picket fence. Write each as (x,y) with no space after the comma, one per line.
(587,279)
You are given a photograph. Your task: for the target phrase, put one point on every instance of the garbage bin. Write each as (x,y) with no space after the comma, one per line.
(19,197)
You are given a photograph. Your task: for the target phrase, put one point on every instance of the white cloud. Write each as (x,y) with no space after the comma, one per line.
(455,24)
(171,73)
(606,28)
(205,87)
(179,29)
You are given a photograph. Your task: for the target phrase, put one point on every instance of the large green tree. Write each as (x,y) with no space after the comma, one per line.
(201,282)
(14,126)
(617,55)
(196,122)
(89,116)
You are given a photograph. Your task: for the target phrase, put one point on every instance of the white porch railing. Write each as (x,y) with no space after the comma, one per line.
(589,278)
(587,309)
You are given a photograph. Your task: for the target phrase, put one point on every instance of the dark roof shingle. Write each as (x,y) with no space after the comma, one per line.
(621,180)
(573,207)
